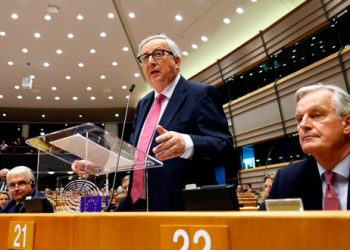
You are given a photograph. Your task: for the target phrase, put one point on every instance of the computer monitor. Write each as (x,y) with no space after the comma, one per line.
(211,198)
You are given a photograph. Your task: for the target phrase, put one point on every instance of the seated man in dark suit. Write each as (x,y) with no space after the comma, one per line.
(21,186)
(323,119)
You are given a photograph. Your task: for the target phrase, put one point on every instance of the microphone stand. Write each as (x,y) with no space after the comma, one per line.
(120,148)
(263,176)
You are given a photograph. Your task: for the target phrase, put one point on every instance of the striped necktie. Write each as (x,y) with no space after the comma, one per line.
(143,145)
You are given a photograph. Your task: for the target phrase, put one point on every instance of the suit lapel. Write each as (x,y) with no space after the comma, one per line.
(175,102)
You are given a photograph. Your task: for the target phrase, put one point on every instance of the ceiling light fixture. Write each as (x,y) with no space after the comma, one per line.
(52,9)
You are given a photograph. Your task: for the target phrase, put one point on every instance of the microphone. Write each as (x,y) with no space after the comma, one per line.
(120,147)
(263,176)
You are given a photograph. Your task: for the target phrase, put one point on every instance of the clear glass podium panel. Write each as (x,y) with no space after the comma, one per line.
(93,144)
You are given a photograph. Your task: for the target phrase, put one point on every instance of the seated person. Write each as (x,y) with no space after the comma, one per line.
(269,178)
(239,189)
(4,197)
(21,186)
(248,187)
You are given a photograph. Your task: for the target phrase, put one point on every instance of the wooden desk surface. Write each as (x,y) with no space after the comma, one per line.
(171,230)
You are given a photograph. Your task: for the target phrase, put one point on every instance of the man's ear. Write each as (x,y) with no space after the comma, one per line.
(346,121)
(177,60)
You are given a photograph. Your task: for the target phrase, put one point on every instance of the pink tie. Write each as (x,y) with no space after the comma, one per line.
(330,200)
(142,145)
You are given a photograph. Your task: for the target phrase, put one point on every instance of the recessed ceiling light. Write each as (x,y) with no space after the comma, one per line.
(81,65)
(24,50)
(57,98)
(114,63)
(37,35)
(103,34)
(88,88)
(54,88)
(68,77)
(131,15)
(103,77)
(92,98)
(2,33)
(4,114)
(46,64)
(14,16)
(239,10)
(178,17)
(137,75)
(17,87)
(70,35)
(80,116)
(43,116)
(19,97)
(110,97)
(80,17)
(185,53)
(194,46)
(117,115)
(92,51)
(204,38)
(59,51)
(226,20)
(38,97)
(32,76)
(75,98)
(47,17)
(110,15)
(124,87)
(10,63)
(125,48)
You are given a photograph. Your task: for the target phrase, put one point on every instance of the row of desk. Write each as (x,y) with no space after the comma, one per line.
(176,230)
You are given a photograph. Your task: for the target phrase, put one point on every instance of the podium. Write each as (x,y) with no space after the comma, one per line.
(102,153)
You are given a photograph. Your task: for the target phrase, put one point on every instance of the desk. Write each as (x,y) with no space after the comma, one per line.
(142,230)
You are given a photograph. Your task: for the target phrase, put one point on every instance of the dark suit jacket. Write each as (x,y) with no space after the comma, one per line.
(299,180)
(11,204)
(1,186)
(194,109)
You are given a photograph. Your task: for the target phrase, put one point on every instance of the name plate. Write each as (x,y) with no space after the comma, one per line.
(194,237)
(21,235)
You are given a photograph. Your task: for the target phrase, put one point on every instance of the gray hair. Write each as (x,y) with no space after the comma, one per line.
(4,170)
(172,45)
(340,102)
(22,169)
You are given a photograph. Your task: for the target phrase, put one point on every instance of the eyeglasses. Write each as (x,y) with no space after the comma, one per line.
(157,55)
(21,185)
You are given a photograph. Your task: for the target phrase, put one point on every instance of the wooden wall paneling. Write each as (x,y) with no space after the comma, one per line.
(294,26)
(336,7)
(211,75)
(256,116)
(246,56)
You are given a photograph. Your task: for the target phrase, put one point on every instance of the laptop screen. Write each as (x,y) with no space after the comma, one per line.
(211,198)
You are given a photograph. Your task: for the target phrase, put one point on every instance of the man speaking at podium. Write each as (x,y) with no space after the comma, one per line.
(191,137)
